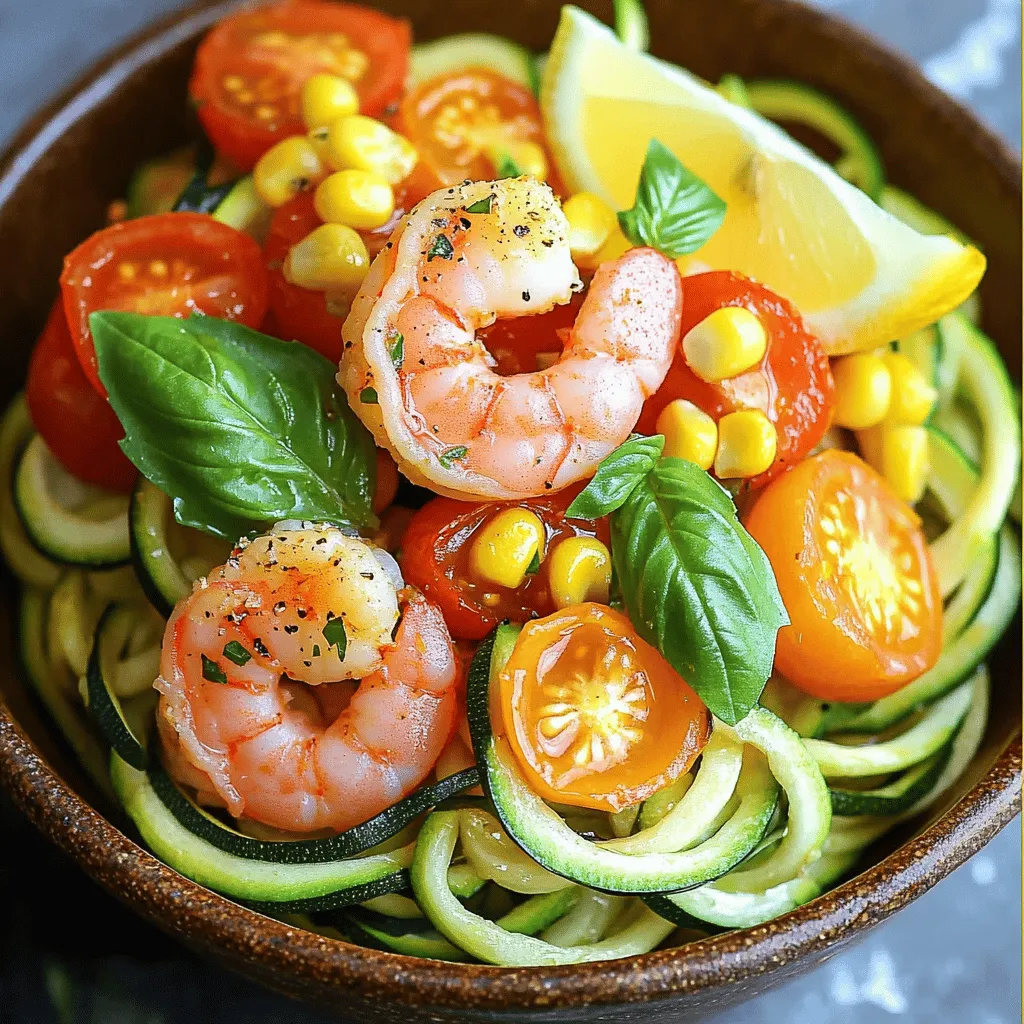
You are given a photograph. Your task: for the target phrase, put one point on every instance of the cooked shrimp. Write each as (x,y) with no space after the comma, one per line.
(419,378)
(261,709)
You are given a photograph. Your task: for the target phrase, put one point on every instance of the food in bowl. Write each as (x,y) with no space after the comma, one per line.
(685,594)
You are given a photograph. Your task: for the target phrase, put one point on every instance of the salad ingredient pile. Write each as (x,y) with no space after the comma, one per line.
(510,507)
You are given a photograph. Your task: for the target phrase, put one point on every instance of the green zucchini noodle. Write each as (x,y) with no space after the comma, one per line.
(775,809)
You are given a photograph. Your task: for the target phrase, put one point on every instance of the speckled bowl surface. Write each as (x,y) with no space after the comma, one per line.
(55,182)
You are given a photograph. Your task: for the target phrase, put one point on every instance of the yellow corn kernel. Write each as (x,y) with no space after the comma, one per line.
(863,390)
(286,169)
(360,199)
(366,145)
(747,442)
(331,257)
(913,398)
(900,453)
(527,156)
(504,547)
(591,223)
(579,569)
(726,343)
(325,98)
(317,138)
(690,433)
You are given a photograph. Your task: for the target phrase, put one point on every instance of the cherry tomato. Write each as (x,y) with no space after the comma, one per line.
(387,481)
(77,424)
(169,264)
(516,342)
(435,558)
(250,68)
(460,122)
(792,385)
(855,575)
(595,716)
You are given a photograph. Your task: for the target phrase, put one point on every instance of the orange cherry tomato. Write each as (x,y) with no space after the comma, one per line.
(595,716)
(77,424)
(435,559)
(459,122)
(250,68)
(167,264)
(855,575)
(792,385)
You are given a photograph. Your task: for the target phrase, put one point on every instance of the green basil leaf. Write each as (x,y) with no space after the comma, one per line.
(616,477)
(397,351)
(335,635)
(368,396)
(697,586)
(212,672)
(440,248)
(675,212)
(450,456)
(508,168)
(240,429)
(235,652)
(482,205)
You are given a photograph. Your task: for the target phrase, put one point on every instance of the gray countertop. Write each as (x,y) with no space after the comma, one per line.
(954,955)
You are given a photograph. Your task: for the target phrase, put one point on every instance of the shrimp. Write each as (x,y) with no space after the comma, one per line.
(424,384)
(283,696)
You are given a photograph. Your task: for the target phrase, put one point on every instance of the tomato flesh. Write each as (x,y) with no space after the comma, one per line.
(595,716)
(250,68)
(855,575)
(792,385)
(168,264)
(435,558)
(77,424)
(459,121)
(516,342)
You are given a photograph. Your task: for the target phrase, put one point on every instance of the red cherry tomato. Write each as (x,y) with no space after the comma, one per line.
(792,385)
(435,559)
(250,68)
(516,342)
(169,264)
(77,424)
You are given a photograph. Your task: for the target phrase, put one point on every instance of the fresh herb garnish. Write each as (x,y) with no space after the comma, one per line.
(212,671)
(240,429)
(397,351)
(334,634)
(674,212)
(507,167)
(368,396)
(316,650)
(451,455)
(440,248)
(235,652)
(694,582)
(481,205)
(534,567)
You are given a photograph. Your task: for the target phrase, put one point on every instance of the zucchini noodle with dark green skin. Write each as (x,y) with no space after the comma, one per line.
(777,808)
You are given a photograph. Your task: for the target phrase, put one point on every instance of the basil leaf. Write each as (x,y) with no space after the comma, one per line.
(450,456)
(616,477)
(697,586)
(482,205)
(238,428)
(335,635)
(508,168)
(675,212)
(397,351)
(440,248)
(235,652)
(212,672)
(368,396)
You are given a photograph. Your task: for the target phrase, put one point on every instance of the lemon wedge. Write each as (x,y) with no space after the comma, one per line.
(859,276)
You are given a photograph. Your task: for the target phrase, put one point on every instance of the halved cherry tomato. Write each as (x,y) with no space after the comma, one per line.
(595,716)
(792,385)
(435,558)
(168,264)
(250,68)
(77,424)
(459,122)
(855,575)
(516,342)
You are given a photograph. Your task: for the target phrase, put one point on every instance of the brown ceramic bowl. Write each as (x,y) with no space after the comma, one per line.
(55,182)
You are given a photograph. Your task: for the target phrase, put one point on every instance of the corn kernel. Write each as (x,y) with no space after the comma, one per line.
(318,139)
(331,257)
(913,398)
(366,145)
(579,569)
(286,169)
(900,453)
(591,223)
(690,433)
(863,390)
(527,156)
(325,98)
(747,443)
(726,343)
(360,199)
(504,547)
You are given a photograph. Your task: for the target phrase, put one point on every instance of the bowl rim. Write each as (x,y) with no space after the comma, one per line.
(217,925)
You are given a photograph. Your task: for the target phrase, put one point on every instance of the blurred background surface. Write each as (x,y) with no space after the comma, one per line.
(71,955)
